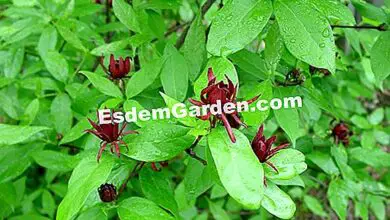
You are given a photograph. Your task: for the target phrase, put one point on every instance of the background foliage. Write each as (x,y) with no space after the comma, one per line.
(50,83)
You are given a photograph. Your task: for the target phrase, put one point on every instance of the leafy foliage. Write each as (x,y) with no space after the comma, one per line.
(335,54)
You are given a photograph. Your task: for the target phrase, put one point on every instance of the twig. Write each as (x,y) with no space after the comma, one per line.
(108,20)
(206,6)
(190,151)
(132,173)
(381,27)
(79,67)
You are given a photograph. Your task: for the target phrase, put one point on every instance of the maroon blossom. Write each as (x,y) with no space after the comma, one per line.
(107,192)
(109,134)
(117,69)
(225,93)
(341,132)
(262,147)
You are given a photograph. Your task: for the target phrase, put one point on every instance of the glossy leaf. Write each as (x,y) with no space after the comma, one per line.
(142,209)
(237,24)
(13,134)
(103,84)
(174,74)
(278,202)
(143,78)
(306,33)
(380,58)
(156,186)
(85,179)
(238,168)
(168,141)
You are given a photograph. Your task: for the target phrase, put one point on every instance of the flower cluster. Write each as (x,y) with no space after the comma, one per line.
(224,93)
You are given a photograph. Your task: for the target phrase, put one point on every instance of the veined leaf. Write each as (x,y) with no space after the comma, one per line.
(238,168)
(237,24)
(103,84)
(306,33)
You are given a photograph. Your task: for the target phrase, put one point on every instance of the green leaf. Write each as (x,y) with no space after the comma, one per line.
(13,63)
(47,41)
(198,178)
(377,116)
(360,122)
(156,186)
(377,206)
(324,161)
(289,162)
(57,65)
(30,112)
(221,67)
(373,157)
(274,47)
(13,134)
(295,181)
(338,197)
(69,36)
(340,155)
(237,24)
(76,131)
(288,118)
(174,74)
(335,11)
(368,140)
(194,48)
(143,78)
(248,91)
(251,63)
(14,160)
(238,168)
(380,58)
(370,11)
(217,211)
(159,4)
(126,14)
(306,33)
(314,205)
(7,199)
(62,113)
(278,202)
(55,160)
(158,141)
(188,121)
(107,49)
(103,84)
(141,209)
(48,203)
(85,179)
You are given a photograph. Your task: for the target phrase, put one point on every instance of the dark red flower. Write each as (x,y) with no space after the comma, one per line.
(262,147)
(107,192)
(225,93)
(117,69)
(109,134)
(341,132)
(313,70)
